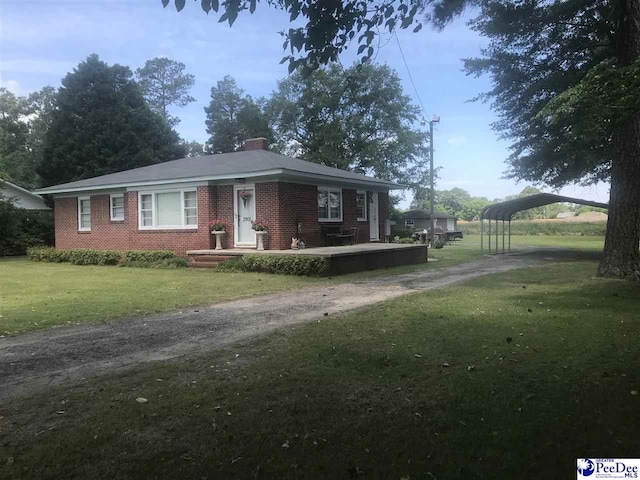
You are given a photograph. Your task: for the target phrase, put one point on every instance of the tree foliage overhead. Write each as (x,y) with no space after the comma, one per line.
(330,27)
(356,119)
(232,117)
(23,124)
(101,125)
(165,83)
(551,63)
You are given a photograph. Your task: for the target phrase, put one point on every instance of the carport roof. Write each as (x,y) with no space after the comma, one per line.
(505,210)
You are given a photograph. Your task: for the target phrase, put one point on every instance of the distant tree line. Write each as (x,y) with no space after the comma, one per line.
(460,203)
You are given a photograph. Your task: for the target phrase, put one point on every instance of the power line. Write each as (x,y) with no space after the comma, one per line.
(409,72)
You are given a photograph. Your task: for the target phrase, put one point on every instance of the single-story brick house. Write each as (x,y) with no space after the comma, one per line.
(169,205)
(421,219)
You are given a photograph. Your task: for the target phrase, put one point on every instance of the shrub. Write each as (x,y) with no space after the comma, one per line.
(404,240)
(148,255)
(176,262)
(45,254)
(21,229)
(77,257)
(439,241)
(301,265)
(401,232)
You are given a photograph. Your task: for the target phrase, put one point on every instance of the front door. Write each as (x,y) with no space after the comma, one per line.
(374,221)
(244,209)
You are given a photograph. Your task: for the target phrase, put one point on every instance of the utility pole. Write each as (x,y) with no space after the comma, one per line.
(432,193)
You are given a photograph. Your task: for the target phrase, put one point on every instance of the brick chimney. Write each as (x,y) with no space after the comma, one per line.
(256,144)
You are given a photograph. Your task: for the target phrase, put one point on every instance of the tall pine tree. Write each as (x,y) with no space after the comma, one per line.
(102,125)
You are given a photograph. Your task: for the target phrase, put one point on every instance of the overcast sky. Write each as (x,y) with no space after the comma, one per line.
(40,41)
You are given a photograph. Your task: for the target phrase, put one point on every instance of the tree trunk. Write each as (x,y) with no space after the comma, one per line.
(621,258)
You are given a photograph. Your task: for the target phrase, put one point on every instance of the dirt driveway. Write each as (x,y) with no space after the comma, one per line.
(35,361)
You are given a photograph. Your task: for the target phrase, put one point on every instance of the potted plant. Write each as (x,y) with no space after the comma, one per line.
(217,229)
(260,228)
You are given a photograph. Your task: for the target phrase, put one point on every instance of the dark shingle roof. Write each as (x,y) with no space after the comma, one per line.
(220,166)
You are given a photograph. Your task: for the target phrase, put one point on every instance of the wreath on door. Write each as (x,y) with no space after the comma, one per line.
(245,195)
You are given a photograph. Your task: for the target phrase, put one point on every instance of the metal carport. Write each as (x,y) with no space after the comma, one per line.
(504,211)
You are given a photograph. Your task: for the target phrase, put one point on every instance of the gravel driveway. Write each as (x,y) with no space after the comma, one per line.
(34,361)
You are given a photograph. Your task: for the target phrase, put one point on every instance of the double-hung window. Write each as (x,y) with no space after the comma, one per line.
(84,214)
(170,209)
(408,223)
(361,206)
(329,204)
(116,207)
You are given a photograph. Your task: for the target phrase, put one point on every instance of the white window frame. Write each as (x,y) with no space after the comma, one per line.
(409,223)
(111,216)
(366,205)
(80,227)
(154,210)
(330,190)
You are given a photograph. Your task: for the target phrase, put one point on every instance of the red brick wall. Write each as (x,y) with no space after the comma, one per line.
(124,235)
(223,195)
(104,234)
(298,205)
(281,205)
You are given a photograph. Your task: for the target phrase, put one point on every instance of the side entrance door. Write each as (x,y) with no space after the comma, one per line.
(244,210)
(374,221)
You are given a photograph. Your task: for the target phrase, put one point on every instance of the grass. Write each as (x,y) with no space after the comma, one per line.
(37,295)
(510,376)
(40,295)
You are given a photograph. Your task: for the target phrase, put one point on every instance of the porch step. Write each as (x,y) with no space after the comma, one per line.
(206,261)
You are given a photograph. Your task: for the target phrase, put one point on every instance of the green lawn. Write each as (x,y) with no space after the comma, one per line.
(37,295)
(40,295)
(509,376)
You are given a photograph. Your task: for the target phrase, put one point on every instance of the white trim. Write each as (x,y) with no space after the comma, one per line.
(169,187)
(382,185)
(80,227)
(154,210)
(366,206)
(111,197)
(236,225)
(329,190)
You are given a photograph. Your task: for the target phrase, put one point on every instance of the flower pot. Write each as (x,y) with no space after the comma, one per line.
(218,236)
(260,240)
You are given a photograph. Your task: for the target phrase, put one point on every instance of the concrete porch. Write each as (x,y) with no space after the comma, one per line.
(342,259)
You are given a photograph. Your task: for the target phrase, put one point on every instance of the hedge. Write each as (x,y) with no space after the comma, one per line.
(578,229)
(141,259)
(176,262)
(301,265)
(81,256)
(148,255)
(404,240)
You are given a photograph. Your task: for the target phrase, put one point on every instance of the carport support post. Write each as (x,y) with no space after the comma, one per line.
(490,252)
(503,236)
(509,234)
(481,235)
(497,246)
